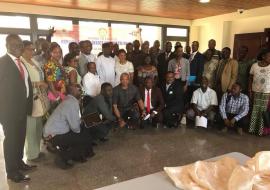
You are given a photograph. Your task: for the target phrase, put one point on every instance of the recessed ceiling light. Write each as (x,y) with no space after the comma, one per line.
(204,1)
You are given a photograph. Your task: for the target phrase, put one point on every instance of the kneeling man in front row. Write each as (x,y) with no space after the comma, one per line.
(203,102)
(234,108)
(63,130)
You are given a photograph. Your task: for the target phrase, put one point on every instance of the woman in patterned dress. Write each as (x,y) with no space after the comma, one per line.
(55,74)
(147,70)
(259,91)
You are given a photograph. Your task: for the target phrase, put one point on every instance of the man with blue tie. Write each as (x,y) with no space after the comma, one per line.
(16,103)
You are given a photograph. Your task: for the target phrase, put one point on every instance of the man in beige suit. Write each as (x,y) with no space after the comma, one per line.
(226,73)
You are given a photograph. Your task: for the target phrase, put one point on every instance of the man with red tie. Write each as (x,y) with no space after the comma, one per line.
(15,103)
(153,103)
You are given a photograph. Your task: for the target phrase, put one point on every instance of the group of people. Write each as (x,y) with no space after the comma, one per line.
(138,87)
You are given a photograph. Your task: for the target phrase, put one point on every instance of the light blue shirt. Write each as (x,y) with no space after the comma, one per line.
(65,117)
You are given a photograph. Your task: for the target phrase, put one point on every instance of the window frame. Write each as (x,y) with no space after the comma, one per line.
(34,32)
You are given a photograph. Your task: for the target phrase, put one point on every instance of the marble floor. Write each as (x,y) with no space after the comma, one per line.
(130,154)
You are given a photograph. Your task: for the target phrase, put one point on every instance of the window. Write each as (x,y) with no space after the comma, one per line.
(182,43)
(151,33)
(124,33)
(3,49)
(14,22)
(179,32)
(65,31)
(46,23)
(96,32)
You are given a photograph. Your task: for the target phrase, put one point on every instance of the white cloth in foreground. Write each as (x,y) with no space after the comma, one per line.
(224,174)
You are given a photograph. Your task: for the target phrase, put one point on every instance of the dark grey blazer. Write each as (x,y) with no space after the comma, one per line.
(13,102)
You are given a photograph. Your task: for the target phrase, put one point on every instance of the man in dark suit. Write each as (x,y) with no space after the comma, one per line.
(153,103)
(173,94)
(163,60)
(196,61)
(16,102)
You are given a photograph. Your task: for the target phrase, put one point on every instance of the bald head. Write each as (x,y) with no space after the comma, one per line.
(124,79)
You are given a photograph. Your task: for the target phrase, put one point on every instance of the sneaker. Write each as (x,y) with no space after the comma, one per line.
(224,130)
(240,131)
(183,120)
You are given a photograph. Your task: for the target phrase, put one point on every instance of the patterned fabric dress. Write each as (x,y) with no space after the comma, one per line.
(261,90)
(55,73)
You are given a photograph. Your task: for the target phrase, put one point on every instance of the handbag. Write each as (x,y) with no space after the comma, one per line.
(92,120)
(41,103)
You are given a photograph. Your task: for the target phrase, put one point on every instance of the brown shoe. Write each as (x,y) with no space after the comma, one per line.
(224,130)
(240,131)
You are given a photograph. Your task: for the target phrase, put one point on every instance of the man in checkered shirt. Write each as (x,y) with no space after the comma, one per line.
(234,107)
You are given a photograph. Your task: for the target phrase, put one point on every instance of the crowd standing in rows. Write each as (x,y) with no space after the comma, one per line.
(73,101)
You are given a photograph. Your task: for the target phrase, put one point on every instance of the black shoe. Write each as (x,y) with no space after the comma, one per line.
(18,177)
(103,139)
(25,167)
(63,164)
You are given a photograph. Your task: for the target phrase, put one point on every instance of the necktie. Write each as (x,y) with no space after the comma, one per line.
(148,102)
(19,63)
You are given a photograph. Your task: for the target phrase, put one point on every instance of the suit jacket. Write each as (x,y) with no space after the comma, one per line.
(197,67)
(82,65)
(174,96)
(162,65)
(14,105)
(229,73)
(156,98)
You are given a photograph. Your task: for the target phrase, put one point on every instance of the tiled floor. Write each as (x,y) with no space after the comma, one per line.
(130,154)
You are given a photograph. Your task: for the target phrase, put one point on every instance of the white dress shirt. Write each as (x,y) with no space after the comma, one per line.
(91,84)
(26,75)
(90,57)
(145,98)
(106,69)
(204,99)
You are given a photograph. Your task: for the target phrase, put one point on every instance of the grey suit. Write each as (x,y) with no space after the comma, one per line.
(83,60)
(82,65)
(14,107)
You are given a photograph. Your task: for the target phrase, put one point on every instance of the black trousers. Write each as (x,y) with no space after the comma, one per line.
(131,116)
(72,145)
(242,123)
(13,145)
(158,118)
(171,115)
(100,131)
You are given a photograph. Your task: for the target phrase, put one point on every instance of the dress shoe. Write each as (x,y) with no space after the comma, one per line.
(103,139)
(40,157)
(240,131)
(18,177)
(25,167)
(224,130)
(63,164)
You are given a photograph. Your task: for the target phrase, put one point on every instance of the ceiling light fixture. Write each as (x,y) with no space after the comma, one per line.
(204,1)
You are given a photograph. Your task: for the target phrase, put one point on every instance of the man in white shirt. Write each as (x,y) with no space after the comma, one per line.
(91,81)
(203,102)
(106,65)
(85,56)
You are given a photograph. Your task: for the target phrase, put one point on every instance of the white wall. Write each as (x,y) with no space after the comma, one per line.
(222,28)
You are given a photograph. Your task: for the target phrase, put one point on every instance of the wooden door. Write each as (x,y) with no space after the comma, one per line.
(254,42)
